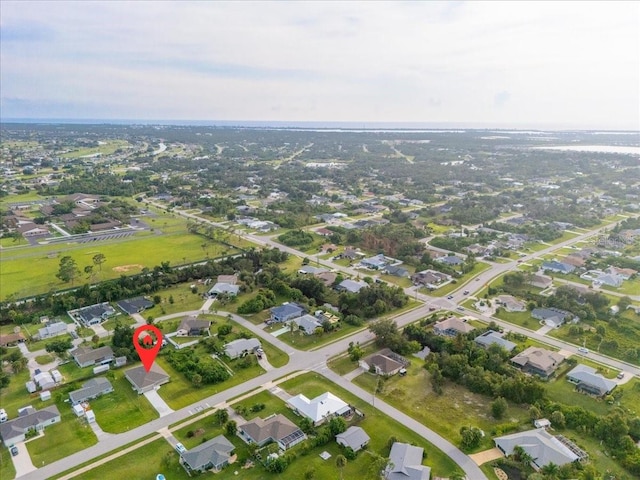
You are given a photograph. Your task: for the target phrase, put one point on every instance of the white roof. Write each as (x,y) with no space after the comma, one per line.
(320,407)
(543,447)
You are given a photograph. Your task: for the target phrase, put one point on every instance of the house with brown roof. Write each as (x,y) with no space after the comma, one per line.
(384,362)
(11,339)
(452,326)
(538,361)
(276,428)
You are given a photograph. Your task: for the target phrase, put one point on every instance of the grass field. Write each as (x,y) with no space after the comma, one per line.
(7,471)
(522,319)
(123,409)
(71,435)
(141,464)
(105,149)
(343,364)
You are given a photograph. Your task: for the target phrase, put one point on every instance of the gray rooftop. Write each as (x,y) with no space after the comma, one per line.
(91,389)
(494,338)
(405,463)
(216,451)
(543,447)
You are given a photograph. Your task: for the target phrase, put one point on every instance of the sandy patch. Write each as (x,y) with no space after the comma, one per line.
(486,456)
(127,268)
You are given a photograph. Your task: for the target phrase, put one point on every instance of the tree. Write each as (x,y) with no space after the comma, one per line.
(58,346)
(470,437)
(337,425)
(558,420)
(341,462)
(550,470)
(499,407)
(99,259)
(231,428)
(68,270)
(376,466)
(221,416)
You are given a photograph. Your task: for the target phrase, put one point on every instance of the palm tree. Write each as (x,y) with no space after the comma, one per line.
(550,470)
(341,462)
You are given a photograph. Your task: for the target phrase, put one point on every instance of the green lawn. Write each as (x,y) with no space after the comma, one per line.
(6,465)
(181,296)
(343,364)
(44,359)
(301,341)
(143,463)
(71,435)
(123,409)
(122,257)
(447,413)
(522,319)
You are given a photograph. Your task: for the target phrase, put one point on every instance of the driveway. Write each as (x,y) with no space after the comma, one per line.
(158,403)
(486,456)
(100,434)
(22,461)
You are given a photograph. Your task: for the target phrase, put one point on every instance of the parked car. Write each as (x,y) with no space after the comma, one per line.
(620,375)
(180,448)
(14,451)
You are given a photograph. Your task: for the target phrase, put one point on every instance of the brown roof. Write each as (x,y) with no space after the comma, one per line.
(385,364)
(11,338)
(327,277)
(275,428)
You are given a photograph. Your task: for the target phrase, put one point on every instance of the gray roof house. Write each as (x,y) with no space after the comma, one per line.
(134,305)
(215,454)
(224,288)
(511,304)
(29,419)
(377,262)
(396,271)
(588,381)
(286,312)
(143,381)
(384,362)
(354,438)
(91,389)
(241,346)
(538,361)
(494,338)
(541,446)
(558,267)
(192,327)
(405,463)
(307,323)
(52,330)
(276,428)
(552,317)
(93,314)
(450,260)
(351,286)
(88,357)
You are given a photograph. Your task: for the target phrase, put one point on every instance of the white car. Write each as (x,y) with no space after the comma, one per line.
(180,448)
(583,350)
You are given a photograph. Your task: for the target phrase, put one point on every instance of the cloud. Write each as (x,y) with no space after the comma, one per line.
(351,61)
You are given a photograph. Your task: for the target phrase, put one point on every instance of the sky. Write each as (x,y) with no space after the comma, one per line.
(487,64)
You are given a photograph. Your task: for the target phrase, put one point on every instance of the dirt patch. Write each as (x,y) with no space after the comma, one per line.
(486,456)
(127,268)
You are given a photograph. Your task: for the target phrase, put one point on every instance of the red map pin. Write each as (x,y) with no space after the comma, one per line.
(147,348)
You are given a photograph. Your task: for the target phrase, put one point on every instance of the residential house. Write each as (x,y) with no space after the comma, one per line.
(11,339)
(52,330)
(308,269)
(328,278)
(135,305)
(230,279)
(240,347)
(221,288)
(538,361)
(383,363)
(192,327)
(276,428)
(540,281)
(143,381)
(214,454)
(575,260)
(32,230)
(589,381)
(286,312)
(431,279)
(374,263)
(28,419)
(320,408)
(510,303)
(324,232)
(91,389)
(494,338)
(354,438)
(405,463)
(93,314)
(600,278)
(44,380)
(89,357)
(452,326)
(542,447)
(558,267)
(552,317)
(396,271)
(450,260)
(351,286)
(624,273)
(307,324)
(350,254)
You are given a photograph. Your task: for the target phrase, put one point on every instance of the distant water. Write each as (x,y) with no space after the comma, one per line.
(594,148)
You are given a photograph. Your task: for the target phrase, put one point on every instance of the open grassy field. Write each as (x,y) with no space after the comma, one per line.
(143,463)
(34,270)
(447,413)
(522,319)
(107,148)
(71,435)
(123,409)
(7,471)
